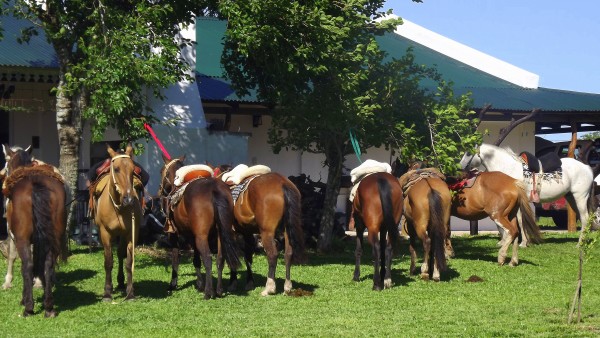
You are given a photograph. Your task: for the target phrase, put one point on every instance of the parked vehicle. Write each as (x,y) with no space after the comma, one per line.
(587,151)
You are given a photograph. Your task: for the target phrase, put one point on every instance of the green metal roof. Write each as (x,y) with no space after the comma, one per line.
(37,53)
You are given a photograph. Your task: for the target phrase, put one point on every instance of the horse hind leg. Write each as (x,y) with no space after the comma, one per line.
(12,256)
(387,281)
(48,283)
(376,260)
(198,268)
(271,251)
(287,285)
(358,251)
(24,250)
(204,251)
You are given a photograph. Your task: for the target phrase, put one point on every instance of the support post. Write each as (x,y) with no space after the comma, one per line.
(571,214)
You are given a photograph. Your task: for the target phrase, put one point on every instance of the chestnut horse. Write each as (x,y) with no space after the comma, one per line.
(427,202)
(377,206)
(36,214)
(118,212)
(201,212)
(505,201)
(269,201)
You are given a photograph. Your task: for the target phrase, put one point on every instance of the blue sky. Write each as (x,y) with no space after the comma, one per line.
(556,39)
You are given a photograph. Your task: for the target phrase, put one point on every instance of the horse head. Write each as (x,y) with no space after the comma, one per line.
(469,160)
(167,174)
(16,157)
(122,170)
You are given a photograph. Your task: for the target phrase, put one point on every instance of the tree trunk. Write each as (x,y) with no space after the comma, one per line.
(68,120)
(334,174)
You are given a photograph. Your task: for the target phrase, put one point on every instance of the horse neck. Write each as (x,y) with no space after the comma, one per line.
(498,159)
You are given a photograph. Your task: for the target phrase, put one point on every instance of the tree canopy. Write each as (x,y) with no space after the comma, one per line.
(320,64)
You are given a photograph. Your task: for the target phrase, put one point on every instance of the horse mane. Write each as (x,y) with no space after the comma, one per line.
(507,149)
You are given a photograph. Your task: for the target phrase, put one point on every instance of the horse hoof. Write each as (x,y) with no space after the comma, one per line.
(287,286)
(27,313)
(130,298)
(436,279)
(6,286)
(37,283)
(107,298)
(376,288)
(50,314)
(513,264)
(387,283)
(425,276)
(208,295)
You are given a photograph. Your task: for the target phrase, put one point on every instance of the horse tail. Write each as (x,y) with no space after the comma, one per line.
(529,226)
(385,195)
(292,220)
(222,205)
(437,230)
(44,237)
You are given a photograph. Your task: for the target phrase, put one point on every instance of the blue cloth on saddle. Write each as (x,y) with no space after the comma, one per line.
(237,189)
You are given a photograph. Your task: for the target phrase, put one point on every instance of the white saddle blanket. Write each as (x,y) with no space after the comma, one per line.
(241,171)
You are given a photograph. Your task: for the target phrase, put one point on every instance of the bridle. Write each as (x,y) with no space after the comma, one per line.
(161,188)
(468,166)
(112,174)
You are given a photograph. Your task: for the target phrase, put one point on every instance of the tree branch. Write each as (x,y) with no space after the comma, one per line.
(506,130)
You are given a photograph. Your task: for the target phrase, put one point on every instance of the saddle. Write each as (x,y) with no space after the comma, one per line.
(242,172)
(413,176)
(367,168)
(549,162)
(189,173)
(465,182)
(22,172)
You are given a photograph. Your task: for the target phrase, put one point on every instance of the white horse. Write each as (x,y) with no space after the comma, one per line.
(575,183)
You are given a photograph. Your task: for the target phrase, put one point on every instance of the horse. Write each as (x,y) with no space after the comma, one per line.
(201,212)
(118,213)
(36,214)
(575,182)
(504,200)
(427,202)
(377,206)
(269,203)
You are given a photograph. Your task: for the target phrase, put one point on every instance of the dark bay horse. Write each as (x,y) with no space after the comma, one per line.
(270,203)
(118,213)
(377,206)
(504,200)
(201,212)
(36,214)
(427,202)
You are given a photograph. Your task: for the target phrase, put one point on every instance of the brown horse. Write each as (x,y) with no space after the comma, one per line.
(118,212)
(427,202)
(269,201)
(201,212)
(377,206)
(505,201)
(36,215)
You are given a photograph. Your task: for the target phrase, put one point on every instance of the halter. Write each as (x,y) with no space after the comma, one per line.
(112,174)
(468,166)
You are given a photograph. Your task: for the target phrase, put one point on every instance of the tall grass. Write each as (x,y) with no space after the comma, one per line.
(531,299)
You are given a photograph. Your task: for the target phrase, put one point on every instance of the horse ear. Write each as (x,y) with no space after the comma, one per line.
(110,150)
(182,158)
(165,159)
(29,150)
(129,150)
(6,150)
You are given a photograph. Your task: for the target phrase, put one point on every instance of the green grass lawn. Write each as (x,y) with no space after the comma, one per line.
(529,300)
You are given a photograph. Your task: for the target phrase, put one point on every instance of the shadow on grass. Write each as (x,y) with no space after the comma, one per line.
(74,276)
(152,289)
(69,297)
